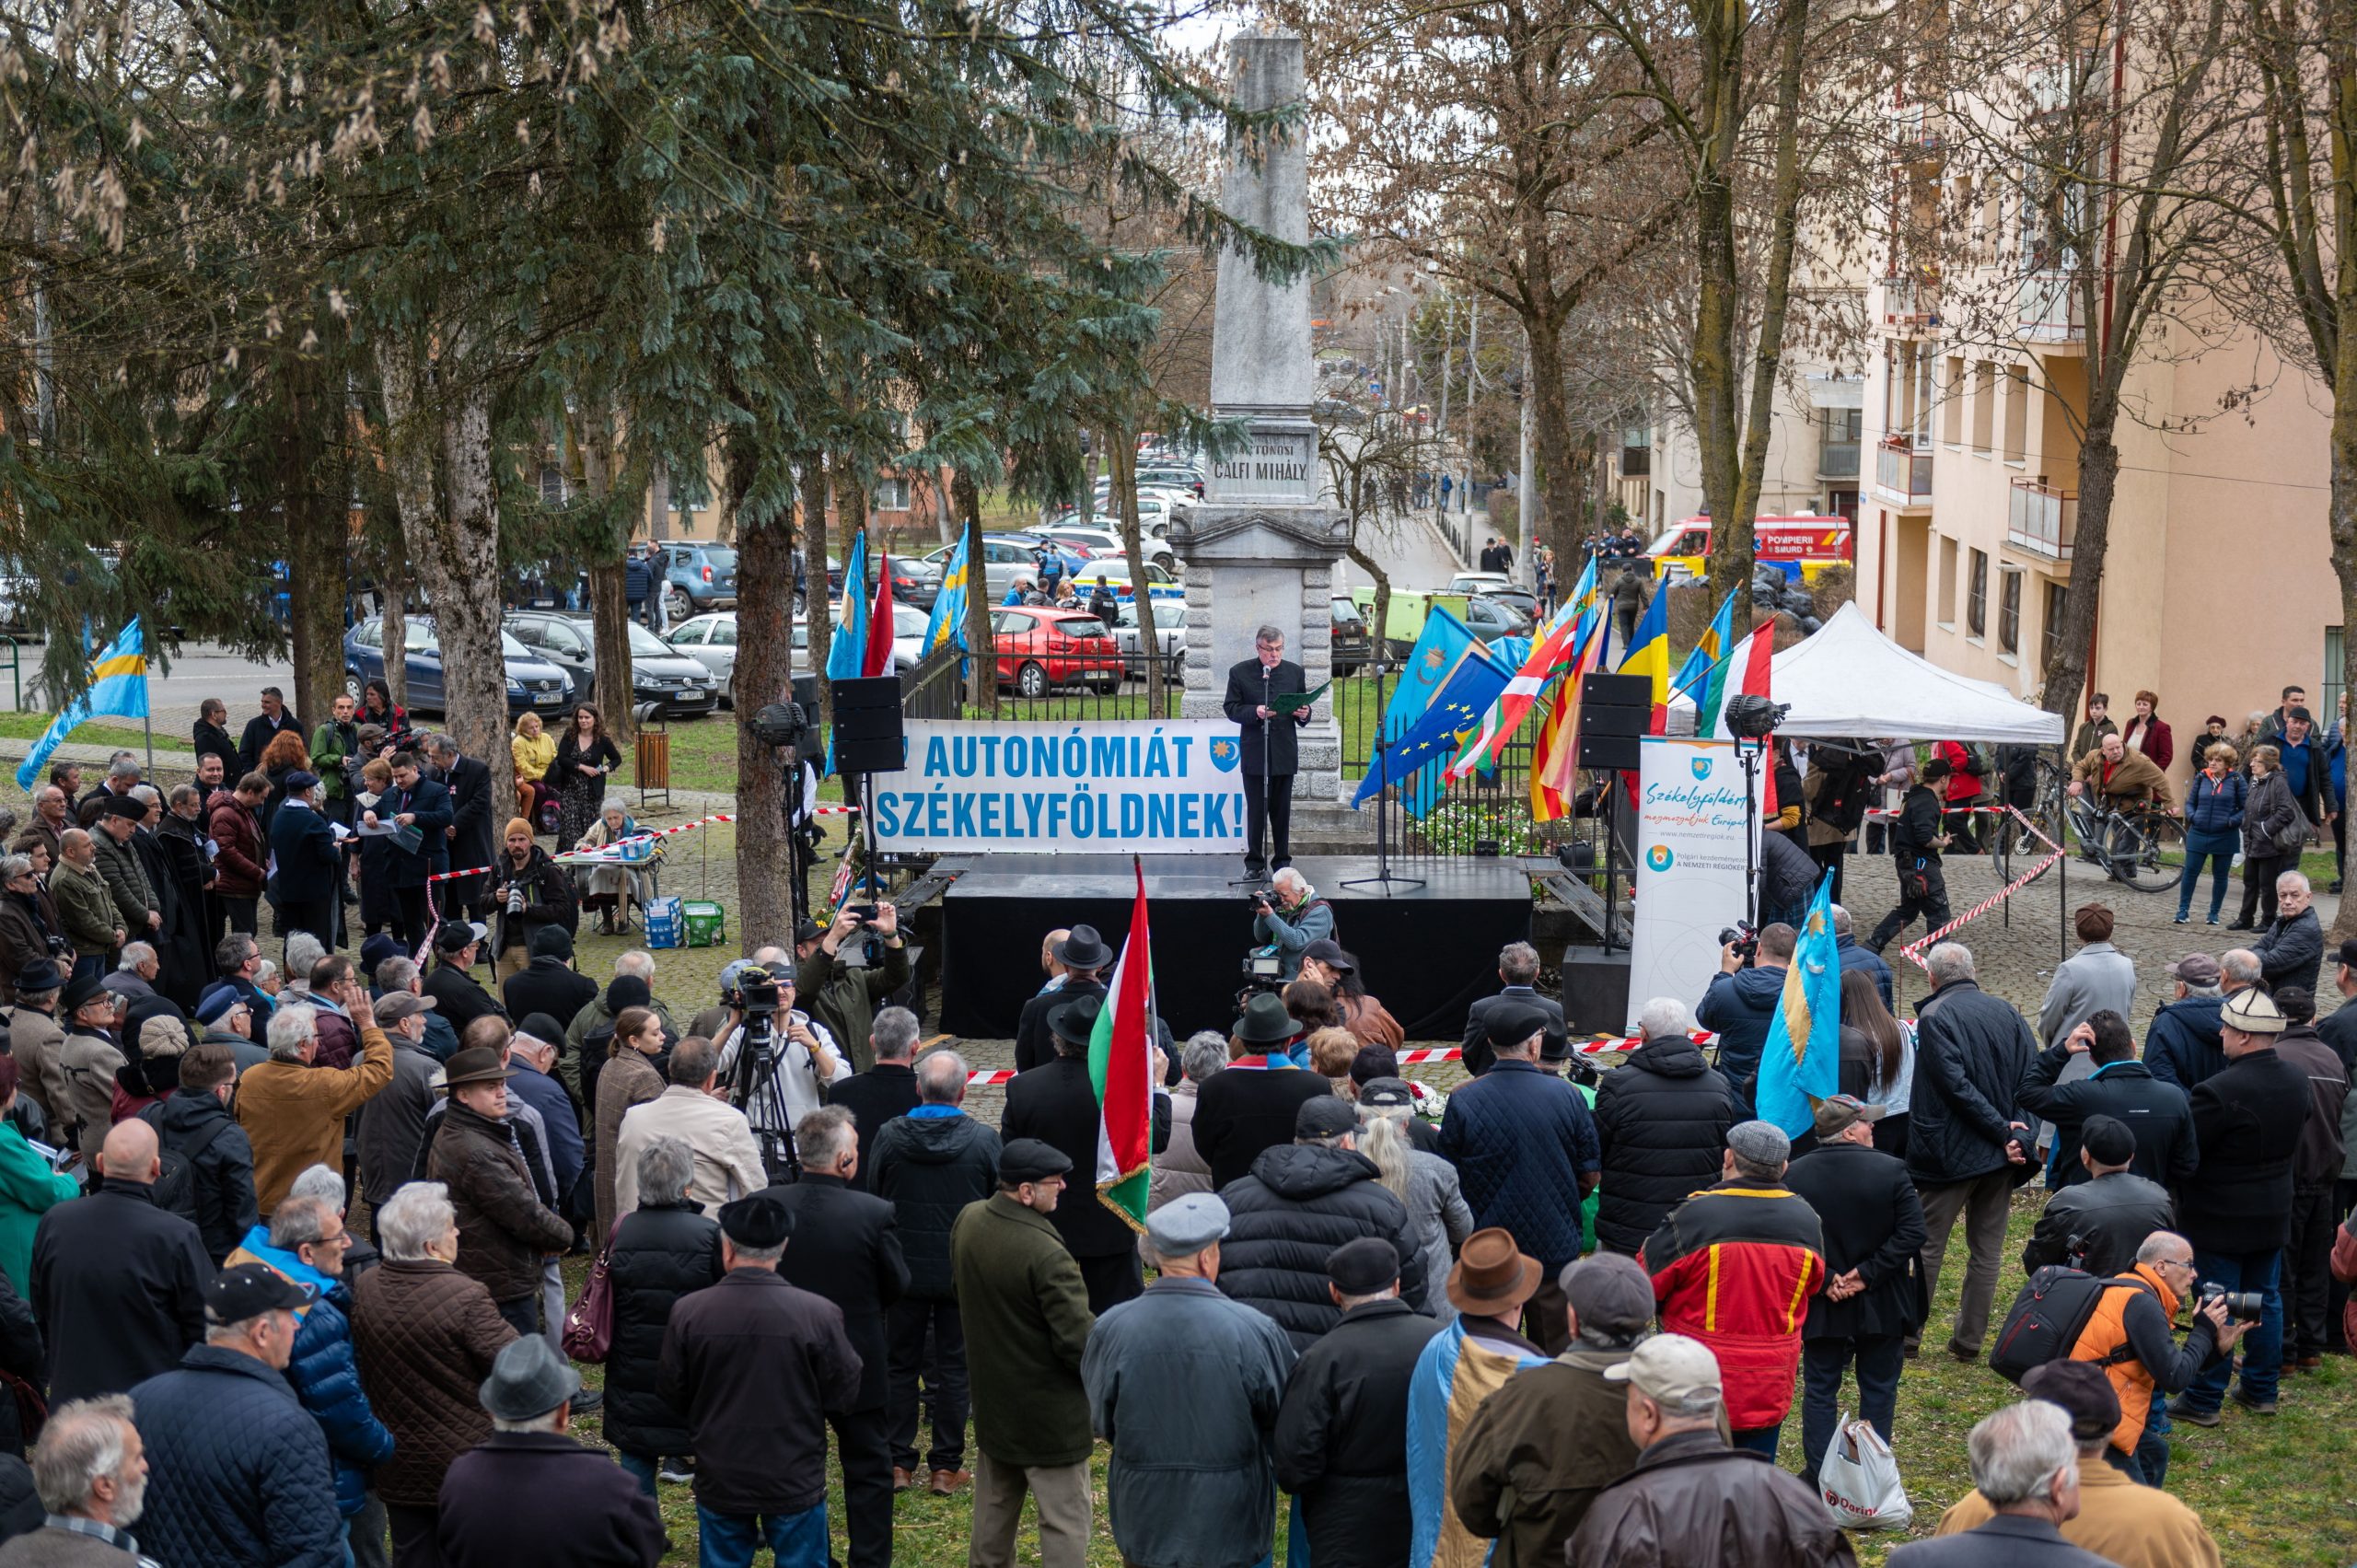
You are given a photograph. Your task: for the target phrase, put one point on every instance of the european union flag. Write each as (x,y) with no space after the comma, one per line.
(1475,682)
(118,688)
(1802,1060)
(1440,649)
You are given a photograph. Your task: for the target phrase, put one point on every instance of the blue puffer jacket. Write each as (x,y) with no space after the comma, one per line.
(2183,1046)
(237,1472)
(324,1374)
(1738,1006)
(2215,806)
(1521,1139)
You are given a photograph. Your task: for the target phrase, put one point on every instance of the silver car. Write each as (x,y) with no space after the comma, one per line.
(711,641)
(1169,634)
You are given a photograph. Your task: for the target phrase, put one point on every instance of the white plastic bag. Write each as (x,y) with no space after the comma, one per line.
(1859,1481)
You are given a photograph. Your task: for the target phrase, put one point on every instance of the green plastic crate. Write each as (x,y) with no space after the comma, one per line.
(706,923)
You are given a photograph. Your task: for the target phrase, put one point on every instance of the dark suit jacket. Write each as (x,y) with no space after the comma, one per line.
(1246,690)
(470,787)
(846,1246)
(1056,1103)
(873,1098)
(1476,1044)
(2006,1541)
(259,733)
(430,803)
(1873,1221)
(307,861)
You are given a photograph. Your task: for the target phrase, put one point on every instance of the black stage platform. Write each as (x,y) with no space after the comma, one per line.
(1426,953)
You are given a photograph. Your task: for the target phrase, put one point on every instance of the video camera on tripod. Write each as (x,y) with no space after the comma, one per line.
(755,992)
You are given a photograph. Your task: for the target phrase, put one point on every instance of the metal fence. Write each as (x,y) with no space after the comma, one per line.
(935,689)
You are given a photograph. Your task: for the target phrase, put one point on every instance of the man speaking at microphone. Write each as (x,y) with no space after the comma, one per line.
(1272,751)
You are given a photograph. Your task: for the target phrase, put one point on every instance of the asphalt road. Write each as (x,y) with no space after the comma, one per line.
(200,672)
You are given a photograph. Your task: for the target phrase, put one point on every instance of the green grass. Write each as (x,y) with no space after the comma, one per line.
(97,732)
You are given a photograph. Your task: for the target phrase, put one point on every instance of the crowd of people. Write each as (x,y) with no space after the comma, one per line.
(280,1241)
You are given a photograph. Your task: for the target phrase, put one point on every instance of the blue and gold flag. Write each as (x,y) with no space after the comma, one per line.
(118,688)
(1801,1061)
(948,622)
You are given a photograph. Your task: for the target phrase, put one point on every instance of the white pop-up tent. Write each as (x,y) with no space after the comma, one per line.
(1850,680)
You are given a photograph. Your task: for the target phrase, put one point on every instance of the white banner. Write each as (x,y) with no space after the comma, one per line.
(1117,786)
(1691,818)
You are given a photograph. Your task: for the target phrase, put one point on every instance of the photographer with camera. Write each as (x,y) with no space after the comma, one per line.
(843,994)
(776,1059)
(1289,917)
(1742,1000)
(2132,1335)
(2247,1120)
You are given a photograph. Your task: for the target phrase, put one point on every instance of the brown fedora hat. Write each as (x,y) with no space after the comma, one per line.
(1491,1274)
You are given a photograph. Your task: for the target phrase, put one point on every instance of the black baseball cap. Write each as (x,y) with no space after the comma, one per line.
(250,1290)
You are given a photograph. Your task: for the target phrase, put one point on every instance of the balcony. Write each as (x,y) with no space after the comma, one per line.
(1636,462)
(1911,302)
(1916,135)
(1902,473)
(2040,519)
(1836,459)
(2050,309)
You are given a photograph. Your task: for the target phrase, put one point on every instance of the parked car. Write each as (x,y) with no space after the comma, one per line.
(711,641)
(1490,618)
(1039,650)
(1169,635)
(697,577)
(1105,544)
(915,581)
(909,625)
(1352,645)
(659,673)
(532,681)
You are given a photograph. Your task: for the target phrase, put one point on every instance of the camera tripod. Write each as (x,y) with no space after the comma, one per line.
(753,1089)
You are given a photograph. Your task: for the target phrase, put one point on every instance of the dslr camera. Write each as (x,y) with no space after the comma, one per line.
(1744,937)
(2244,1305)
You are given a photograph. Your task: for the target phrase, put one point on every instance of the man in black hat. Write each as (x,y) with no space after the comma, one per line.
(308,865)
(531,1492)
(849,1253)
(1338,1437)
(35,1037)
(1250,1106)
(549,983)
(757,1366)
(2099,1222)
(1084,957)
(89,1057)
(1027,1319)
(237,1468)
(118,866)
(455,990)
(1271,745)
(1056,1103)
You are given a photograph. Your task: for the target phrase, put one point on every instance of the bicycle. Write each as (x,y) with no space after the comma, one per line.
(2132,845)
(2009,838)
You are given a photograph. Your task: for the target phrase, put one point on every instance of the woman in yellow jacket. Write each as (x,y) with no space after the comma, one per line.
(535,753)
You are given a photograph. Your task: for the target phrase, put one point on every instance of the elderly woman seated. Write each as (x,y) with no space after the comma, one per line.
(611,890)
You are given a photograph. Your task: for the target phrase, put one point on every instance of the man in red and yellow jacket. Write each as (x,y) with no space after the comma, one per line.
(1734,1266)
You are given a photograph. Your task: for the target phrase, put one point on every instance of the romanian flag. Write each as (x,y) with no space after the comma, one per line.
(1121,1066)
(1648,654)
(118,688)
(1801,1063)
(1554,761)
(1547,658)
(948,624)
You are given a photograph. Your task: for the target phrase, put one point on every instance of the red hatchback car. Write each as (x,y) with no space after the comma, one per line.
(1039,650)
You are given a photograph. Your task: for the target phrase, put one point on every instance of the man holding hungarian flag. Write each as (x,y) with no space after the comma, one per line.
(1100,1103)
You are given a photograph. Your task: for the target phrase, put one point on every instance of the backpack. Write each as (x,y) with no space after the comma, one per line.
(1975,765)
(176,1184)
(2052,1310)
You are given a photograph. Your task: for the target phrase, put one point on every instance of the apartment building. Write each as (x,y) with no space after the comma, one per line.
(2217,585)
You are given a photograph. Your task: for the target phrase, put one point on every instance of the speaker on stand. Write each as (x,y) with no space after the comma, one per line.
(1616,712)
(869,739)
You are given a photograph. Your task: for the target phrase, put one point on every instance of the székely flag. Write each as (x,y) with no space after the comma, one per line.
(948,622)
(1120,1065)
(118,688)
(1801,1063)
(1691,675)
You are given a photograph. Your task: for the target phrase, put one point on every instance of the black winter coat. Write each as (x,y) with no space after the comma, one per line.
(118,1286)
(1337,1441)
(238,1469)
(1477,1055)
(1301,1201)
(2291,951)
(1971,1050)
(551,986)
(1872,1222)
(2249,1117)
(661,1252)
(929,1169)
(1056,1103)
(200,1129)
(2154,1111)
(1662,1117)
(459,997)
(539,1497)
(756,1364)
(1239,1112)
(846,1247)
(873,1098)
(2181,1045)
(476,842)
(20,1353)
(2110,1215)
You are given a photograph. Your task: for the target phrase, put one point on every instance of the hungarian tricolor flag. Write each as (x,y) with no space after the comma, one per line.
(1120,1065)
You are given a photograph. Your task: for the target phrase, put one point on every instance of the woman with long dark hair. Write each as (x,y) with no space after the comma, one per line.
(584,757)
(1878,1058)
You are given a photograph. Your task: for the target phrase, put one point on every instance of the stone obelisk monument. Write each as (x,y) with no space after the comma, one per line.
(1261,545)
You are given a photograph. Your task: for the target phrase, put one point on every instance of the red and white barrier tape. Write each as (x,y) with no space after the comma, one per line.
(1914,950)
(606,851)
(987,1077)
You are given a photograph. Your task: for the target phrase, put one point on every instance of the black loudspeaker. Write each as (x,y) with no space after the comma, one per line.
(1615,710)
(868,737)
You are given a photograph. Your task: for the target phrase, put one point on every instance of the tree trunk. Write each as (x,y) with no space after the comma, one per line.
(816,476)
(2342,517)
(458,562)
(764,674)
(1557,493)
(394,587)
(602,474)
(409,443)
(316,533)
(981,668)
(1122,457)
(2065,676)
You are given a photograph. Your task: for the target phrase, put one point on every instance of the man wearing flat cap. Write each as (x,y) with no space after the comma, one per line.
(1025,1312)
(2118,1521)
(756,1364)
(1184,1384)
(1728,1264)
(137,909)
(455,990)
(531,1492)
(237,1468)
(1056,1103)
(505,1231)
(1524,1145)
(1535,1453)
(1338,1448)
(1874,1295)
(2097,1223)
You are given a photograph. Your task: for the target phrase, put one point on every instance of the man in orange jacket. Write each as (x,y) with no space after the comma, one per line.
(1734,1266)
(2132,1335)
